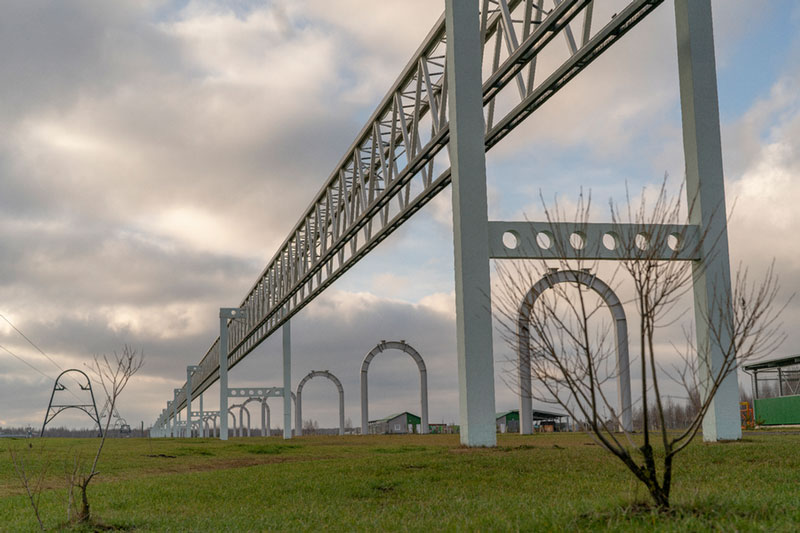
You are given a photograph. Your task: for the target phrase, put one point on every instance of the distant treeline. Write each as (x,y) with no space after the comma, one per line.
(68,432)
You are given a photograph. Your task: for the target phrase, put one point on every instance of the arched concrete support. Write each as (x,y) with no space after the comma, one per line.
(298,423)
(233,417)
(423,381)
(242,411)
(621,340)
(265,416)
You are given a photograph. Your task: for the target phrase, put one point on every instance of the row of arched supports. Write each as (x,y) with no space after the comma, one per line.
(524,370)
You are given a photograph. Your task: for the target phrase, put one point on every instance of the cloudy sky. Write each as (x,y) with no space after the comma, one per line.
(156,153)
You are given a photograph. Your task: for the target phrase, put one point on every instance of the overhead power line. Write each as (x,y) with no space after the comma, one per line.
(31,342)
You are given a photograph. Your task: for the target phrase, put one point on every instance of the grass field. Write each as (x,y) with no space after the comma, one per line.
(555,482)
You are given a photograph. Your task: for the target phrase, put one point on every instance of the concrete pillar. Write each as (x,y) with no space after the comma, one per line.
(223,374)
(470,224)
(189,371)
(287,381)
(202,424)
(705,190)
(298,413)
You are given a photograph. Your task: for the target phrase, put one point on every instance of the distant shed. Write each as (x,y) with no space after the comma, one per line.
(396,424)
(776,391)
(508,421)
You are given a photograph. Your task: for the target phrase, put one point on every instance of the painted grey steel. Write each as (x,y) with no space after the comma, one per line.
(625,411)
(225,314)
(200,415)
(233,417)
(369,194)
(262,401)
(54,410)
(265,418)
(175,411)
(470,226)
(298,419)
(247,392)
(287,380)
(423,381)
(705,189)
(526,246)
(189,371)
(243,410)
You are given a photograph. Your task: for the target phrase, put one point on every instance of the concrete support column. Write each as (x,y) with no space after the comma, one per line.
(705,189)
(202,420)
(287,381)
(223,374)
(298,413)
(364,402)
(225,314)
(470,224)
(175,412)
(189,371)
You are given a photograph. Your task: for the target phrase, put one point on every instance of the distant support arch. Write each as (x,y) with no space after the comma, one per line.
(298,423)
(54,410)
(423,381)
(621,340)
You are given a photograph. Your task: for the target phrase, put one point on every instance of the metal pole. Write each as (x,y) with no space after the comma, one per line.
(202,425)
(705,190)
(287,380)
(223,374)
(225,313)
(298,412)
(470,224)
(189,371)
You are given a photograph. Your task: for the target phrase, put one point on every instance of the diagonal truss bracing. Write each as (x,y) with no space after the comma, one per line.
(387,174)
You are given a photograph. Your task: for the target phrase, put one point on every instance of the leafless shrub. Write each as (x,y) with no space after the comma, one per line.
(113,374)
(571,347)
(32,482)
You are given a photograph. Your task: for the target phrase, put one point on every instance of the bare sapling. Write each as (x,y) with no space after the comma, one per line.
(570,346)
(113,374)
(32,483)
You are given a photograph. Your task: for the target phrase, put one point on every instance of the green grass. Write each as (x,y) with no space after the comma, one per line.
(532,483)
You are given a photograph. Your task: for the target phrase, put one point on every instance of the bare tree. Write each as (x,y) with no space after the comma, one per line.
(113,374)
(571,346)
(33,483)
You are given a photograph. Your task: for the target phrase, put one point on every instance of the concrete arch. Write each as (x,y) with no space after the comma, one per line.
(242,410)
(298,421)
(254,399)
(423,381)
(621,340)
(233,417)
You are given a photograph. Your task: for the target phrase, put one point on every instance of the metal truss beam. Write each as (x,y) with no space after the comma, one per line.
(387,174)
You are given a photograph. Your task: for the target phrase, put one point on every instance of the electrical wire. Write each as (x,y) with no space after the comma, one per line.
(41,352)
(25,362)
(31,342)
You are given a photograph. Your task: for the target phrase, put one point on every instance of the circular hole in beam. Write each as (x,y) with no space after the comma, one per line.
(675,242)
(611,241)
(578,240)
(511,240)
(642,241)
(544,240)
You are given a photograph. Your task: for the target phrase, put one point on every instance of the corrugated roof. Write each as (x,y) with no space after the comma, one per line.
(775,363)
(390,417)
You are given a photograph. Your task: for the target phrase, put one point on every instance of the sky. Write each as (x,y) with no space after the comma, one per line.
(156,153)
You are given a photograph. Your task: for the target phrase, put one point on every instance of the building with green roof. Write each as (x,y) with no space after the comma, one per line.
(400,423)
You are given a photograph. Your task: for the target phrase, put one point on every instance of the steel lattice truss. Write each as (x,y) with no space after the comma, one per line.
(389,172)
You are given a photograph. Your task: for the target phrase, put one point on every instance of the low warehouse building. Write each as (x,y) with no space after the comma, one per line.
(396,424)
(776,391)
(508,421)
